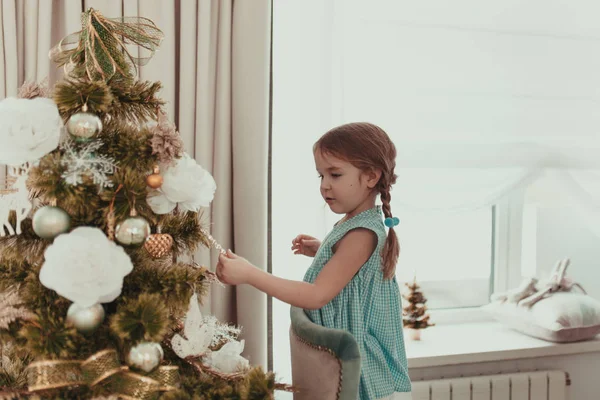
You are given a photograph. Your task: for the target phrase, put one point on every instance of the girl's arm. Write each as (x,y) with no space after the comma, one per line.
(353,250)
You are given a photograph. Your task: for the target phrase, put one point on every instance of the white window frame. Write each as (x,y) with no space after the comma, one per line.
(506,261)
(508,227)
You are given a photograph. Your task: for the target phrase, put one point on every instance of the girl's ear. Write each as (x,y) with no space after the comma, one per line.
(372,177)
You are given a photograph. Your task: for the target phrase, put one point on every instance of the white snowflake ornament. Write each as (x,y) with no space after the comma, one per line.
(198,335)
(29,129)
(186,184)
(85,267)
(82,161)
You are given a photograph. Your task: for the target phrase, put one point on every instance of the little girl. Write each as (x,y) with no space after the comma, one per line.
(351,283)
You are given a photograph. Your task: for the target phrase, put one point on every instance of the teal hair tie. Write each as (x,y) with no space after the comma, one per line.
(391,222)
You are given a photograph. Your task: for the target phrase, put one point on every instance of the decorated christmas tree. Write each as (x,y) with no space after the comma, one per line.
(100,203)
(414,310)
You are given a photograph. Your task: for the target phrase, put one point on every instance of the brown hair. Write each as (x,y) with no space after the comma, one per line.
(368,147)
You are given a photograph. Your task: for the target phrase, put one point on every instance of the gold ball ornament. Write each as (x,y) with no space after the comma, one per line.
(85,319)
(145,356)
(132,231)
(84,126)
(155,180)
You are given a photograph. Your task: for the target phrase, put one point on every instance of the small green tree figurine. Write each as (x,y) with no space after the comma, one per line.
(414,310)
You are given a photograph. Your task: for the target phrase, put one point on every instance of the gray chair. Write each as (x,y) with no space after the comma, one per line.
(325,362)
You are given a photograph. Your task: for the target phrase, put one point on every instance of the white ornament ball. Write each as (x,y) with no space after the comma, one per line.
(145,356)
(132,231)
(49,222)
(85,319)
(84,126)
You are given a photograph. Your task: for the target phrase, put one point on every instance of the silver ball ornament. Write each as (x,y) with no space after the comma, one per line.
(85,319)
(84,126)
(132,231)
(49,222)
(145,356)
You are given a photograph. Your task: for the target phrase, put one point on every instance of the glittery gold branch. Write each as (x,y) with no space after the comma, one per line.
(100,46)
(214,244)
(211,276)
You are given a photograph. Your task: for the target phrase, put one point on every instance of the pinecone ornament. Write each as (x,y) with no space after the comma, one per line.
(159,244)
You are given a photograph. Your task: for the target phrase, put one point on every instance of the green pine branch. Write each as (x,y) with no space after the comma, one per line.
(145,318)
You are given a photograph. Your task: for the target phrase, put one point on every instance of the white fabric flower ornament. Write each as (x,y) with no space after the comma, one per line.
(186,184)
(85,267)
(29,129)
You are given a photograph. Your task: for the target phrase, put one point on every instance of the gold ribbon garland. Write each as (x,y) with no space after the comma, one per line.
(167,376)
(55,374)
(46,375)
(101,45)
(133,386)
(100,366)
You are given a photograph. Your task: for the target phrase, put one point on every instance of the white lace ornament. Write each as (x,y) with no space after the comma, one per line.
(198,335)
(228,358)
(203,332)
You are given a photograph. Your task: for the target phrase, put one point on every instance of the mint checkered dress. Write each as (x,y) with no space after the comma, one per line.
(369,308)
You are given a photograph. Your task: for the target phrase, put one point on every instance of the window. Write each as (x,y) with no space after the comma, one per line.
(448,252)
(480,100)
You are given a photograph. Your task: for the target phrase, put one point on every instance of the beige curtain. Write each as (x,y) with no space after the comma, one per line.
(214,66)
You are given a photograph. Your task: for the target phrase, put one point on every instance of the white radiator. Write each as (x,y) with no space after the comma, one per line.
(538,385)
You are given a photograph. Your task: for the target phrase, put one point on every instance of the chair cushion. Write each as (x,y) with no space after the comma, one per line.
(325,361)
(316,371)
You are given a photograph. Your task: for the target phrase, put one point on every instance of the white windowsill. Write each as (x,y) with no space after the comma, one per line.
(476,342)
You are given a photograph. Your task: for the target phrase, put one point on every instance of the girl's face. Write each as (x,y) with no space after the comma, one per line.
(345,188)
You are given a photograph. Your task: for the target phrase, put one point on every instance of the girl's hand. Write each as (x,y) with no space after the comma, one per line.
(305,245)
(233,269)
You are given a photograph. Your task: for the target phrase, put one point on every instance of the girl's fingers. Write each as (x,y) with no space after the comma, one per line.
(231,254)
